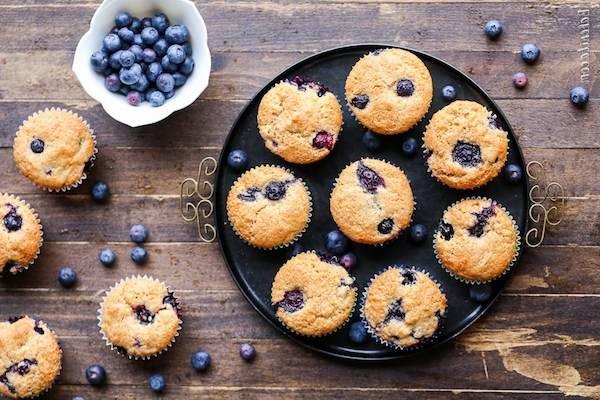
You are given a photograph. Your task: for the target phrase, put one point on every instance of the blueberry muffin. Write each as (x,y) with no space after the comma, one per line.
(20,235)
(477,240)
(140,317)
(300,120)
(372,201)
(53,148)
(268,207)
(465,146)
(389,91)
(30,358)
(402,307)
(312,295)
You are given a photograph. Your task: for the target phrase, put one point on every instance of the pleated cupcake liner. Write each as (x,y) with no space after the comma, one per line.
(88,164)
(423,342)
(21,267)
(299,234)
(121,350)
(390,240)
(510,265)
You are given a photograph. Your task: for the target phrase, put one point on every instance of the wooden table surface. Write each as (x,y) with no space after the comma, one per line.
(540,341)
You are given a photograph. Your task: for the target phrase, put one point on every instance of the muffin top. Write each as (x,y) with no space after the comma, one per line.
(372,201)
(300,120)
(268,207)
(30,357)
(389,91)
(140,316)
(403,306)
(52,148)
(312,296)
(465,146)
(476,240)
(20,235)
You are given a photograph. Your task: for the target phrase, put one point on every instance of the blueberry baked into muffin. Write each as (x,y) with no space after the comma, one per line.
(465,145)
(53,148)
(269,207)
(372,201)
(30,358)
(403,307)
(20,235)
(140,317)
(389,91)
(300,120)
(312,295)
(477,240)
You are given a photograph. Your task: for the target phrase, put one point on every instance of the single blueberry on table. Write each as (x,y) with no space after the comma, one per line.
(95,375)
(167,65)
(138,255)
(449,93)
(237,160)
(530,53)
(136,25)
(579,96)
(141,85)
(111,43)
(335,242)
(107,257)
(126,35)
(513,173)
(358,333)
(179,78)
(37,146)
(100,192)
(348,261)
(493,29)
(176,54)
(67,277)
(160,22)
(134,97)
(138,233)
(153,71)
(157,383)
(148,55)
(165,82)
(248,351)
(150,36)
(371,141)
(156,98)
(127,58)
(177,34)
(161,47)
(410,147)
(138,51)
(187,66)
(200,361)
(480,293)
(519,80)
(99,61)
(418,233)
(129,76)
(122,19)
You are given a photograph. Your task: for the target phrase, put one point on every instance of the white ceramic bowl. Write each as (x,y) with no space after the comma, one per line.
(179,12)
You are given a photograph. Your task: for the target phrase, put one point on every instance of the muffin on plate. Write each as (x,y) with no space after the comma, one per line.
(300,120)
(372,201)
(312,295)
(30,358)
(389,91)
(53,148)
(477,240)
(465,146)
(268,207)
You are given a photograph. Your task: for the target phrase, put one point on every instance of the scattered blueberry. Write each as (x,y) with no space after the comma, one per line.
(200,361)
(449,93)
(160,22)
(67,277)
(335,242)
(161,47)
(530,53)
(111,43)
(126,35)
(139,255)
(418,233)
(95,375)
(513,173)
(371,141)
(358,333)
(348,261)
(176,54)
(165,82)
(480,293)
(107,257)
(520,80)
(37,146)
(149,36)
(122,19)
(138,233)
(99,61)
(134,97)
(157,383)
(187,66)
(493,29)
(237,160)
(579,96)
(177,34)
(100,192)
(410,147)
(247,351)
(156,98)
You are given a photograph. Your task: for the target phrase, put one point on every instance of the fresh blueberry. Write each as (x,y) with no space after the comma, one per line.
(530,53)
(95,375)
(138,233)
(492,29)
(114,60)
(138,255)
(112,83)
(480,293)
(519,80)
(148,55)
(348,261)
(167,65)
(405,88)
(157,383)
(67,277)
(247,351)
(136,25)
(99,61)
(126,35)
(237,160)
(107,257)
(579,96)
(187,66)
(127,58)
(371,141)
(111,43)
(138,51)
(165,82)
(124,90)
(418,233)
(146,22)
(335,242)
(170,94)
(410,147)
(129,76)
(37,146)
(122,19)
(358,333)
(513,173)
(449,93)
(200,360)
(161,47)
(188,49)
(160,22)
(153,71)
(177,34)
(150,36)
(156,98)
(179,79)
(176,54)
(100,192)
(134,97)
(141,85)
(137,39)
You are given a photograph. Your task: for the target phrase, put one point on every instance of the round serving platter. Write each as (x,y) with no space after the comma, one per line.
(253,270)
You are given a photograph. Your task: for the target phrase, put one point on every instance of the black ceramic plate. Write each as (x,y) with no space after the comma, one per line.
(254,270)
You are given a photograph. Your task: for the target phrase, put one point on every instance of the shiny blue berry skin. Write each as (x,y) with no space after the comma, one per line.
(248,351)
(99,61)
(153,71)
(136,25)
(410,147)
(167,65)
(530,53)
(138,233)
(358,333)
(138,52)
(161,47)
(480,293)
(188,49)
(160,22)
(114,60)
(111,43)
(137,39)
(67,277)
(141,85)
(146,22)
(165,82)
(371,141)
(418,233)
(127,58)
(177,34)
(513,173)
(176,54)
(179,78)
(493,29)
(129,76)
(107,257)
(148,55)
(138,255)
(150,36)
(100,192)
(187,66)
(157,383)
(237,160)
(112,83)
(95,375)
(449,93)
(122,20)
(156,98)
(579,96)
(126,35)
(201,361)
(335,242)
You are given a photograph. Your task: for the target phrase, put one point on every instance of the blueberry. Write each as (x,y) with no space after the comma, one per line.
(348,261)
(124,90)
(237,160)
(176,54)
(111,43)
(107,257)
(95,375)
(418,233)
(405,88)
(296,249)
(137,50)
(122,19)
(513,173)
(114,60)
(386,226)
(187,66)
(275,190)
(138,233)
(127,58)
(112,83)
(146,22)
(37,146)
(126,35)
(137,39)
(167,66)
(530,53)
(358,333)
(335,242)
(177,34)
(467,154)
(134,97)
(99,61)
(138,255)
(136,25)
(77,398)
(157,383)
(200,360)
(409,147)
(161,47)
(153,71)
(165,82)
(156,98)
(13,221)
(129,76)
(188,49)
(170,94)
(100,192)
(480,293)
(323,140)
(160,22)
(368,179)
(579,96)
(148,55)
(360,101)
(140,86)
(492,29)
(519,80)
(67,277)
(150,36)
(371,141)
(449,93)
(247,351)
(179,79)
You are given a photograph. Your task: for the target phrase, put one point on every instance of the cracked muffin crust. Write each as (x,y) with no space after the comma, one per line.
(30,357)
(389,91)
(372,201)
(403,307)
(477,240)
(269,207)
(311,296)
(52,148)
(20,235)
(300,120)
(465,146)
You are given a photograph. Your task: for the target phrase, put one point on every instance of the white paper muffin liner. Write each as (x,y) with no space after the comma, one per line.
(510,265)
(308,220)
(88,165)
(121,351)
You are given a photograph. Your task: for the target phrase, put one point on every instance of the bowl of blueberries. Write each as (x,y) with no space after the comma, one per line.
(144,59)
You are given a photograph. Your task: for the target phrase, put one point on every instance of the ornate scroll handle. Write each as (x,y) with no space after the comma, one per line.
(547,202)
(195,201)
